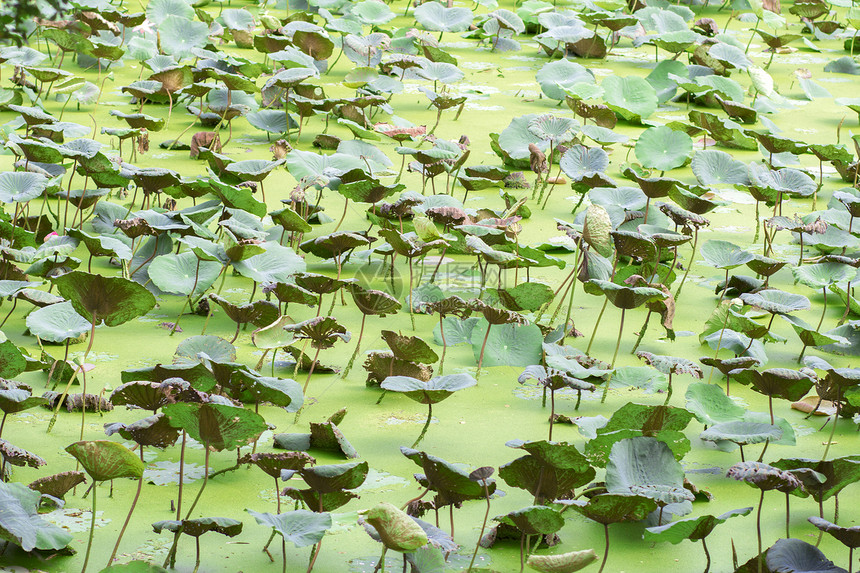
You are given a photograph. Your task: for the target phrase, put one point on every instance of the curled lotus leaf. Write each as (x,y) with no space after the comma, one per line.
(562,563)
(410,348)
(20,457)
(671,364)
(322,331)
(848,536)
(764,476)
(397,530)
(58,485)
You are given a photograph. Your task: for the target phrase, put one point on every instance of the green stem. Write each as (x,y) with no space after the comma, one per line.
(606,548)
(596,324)
(426,425)
(758,529)
(92,528)
(483,347)
(614,356)
(128,517)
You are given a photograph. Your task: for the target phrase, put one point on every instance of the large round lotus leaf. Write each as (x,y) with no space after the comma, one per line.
(788,180)
(528,296)
(180,36)
(439,72)
(21,186)
(252,169)
(710,404)
(300,527)
(188,353)
(694,528)
(270,120)
(303,164)
(559,74)
(714,167)
(579,162)
(218,426)
(397,530)
(507,344)
(435,17)
(372,12)
(631,97)
(729,56)
(431,392)
(515,139)
(797,555)
(553,128)
(183,274)
(562,563)
(777,301)
(238,19)
(647,467)
(105,460)
(741,432)
(724,255)
(821,275)
(157,11)
(663,148)
(97,298)
(57,322)
(274,265)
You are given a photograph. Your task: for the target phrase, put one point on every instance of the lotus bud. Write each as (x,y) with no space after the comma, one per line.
(397,530)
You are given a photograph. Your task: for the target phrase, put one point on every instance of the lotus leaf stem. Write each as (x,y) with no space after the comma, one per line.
(128,517)
(833,427)
(92,529)
(689,265)
(596,325)
(823,311)
(426,425)
(483,526)
(614,356)
(358,347)
(483,347)
(707,556)
(606,548)
(758,530)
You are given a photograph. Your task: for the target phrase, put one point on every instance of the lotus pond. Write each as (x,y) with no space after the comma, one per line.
(355,286)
